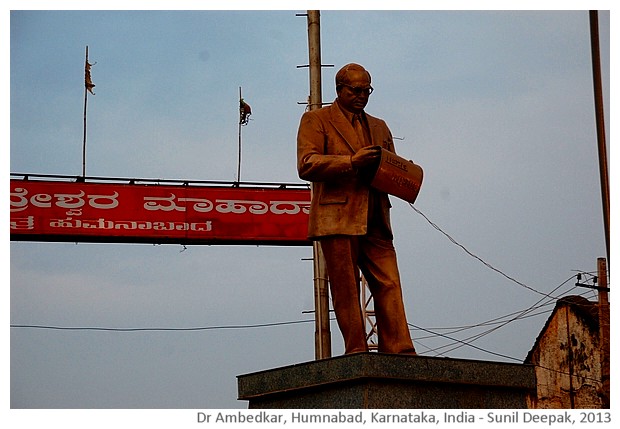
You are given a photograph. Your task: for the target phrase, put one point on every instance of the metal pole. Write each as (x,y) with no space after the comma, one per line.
(321,291)
(239,149)
(600,122)
(84,135)
(569,350)
(314,51)
(603,320)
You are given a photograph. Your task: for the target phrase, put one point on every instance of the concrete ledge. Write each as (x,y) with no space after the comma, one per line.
(374,380)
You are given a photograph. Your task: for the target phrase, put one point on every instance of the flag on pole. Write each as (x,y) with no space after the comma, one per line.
(244,112)
(88,83)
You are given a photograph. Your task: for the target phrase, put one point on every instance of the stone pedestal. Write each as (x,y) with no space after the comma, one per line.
(374,380)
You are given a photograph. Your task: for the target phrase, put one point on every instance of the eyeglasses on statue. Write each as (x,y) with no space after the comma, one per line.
(358,90)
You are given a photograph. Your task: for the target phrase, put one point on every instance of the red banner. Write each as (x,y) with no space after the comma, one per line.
(104,212)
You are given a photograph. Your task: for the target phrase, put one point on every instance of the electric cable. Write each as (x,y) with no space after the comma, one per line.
(434,225)
(456,344)
(201,328)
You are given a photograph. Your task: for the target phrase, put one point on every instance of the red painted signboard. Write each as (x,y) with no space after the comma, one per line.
(110,212)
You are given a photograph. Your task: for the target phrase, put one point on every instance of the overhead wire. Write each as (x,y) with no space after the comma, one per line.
(519,315)
(473,255)
(468,340)
(200,328)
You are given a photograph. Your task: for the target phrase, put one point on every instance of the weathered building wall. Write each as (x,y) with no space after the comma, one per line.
(567,358)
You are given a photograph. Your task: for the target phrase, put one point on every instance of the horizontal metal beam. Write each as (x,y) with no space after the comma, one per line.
(133,180)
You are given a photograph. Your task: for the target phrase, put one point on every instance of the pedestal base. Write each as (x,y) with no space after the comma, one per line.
(374,380)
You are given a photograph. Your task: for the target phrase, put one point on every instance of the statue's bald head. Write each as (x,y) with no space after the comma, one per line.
(344,74)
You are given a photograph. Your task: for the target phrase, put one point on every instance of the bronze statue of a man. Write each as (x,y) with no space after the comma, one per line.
(337,147)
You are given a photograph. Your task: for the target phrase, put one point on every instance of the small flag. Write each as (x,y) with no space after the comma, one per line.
(88,83)
(244,112)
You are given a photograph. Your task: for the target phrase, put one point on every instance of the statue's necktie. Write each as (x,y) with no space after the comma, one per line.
(359,130)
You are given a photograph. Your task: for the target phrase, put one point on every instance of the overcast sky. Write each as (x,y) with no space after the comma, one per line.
(496,106)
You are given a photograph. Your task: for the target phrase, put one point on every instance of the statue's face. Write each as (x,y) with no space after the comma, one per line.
(354,95)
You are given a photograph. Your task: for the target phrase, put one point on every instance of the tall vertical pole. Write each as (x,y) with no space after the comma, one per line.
(600,122)
(239,148)
(84,133)
(314,51)
(603,320)
(569,350)
(321,292)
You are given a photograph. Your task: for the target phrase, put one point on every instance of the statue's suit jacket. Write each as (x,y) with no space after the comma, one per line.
(326,141)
